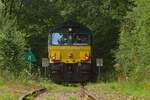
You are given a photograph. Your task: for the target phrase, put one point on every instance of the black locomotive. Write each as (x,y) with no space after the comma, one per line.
(70,54)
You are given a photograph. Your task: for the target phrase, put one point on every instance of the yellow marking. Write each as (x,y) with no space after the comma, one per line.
(69,54)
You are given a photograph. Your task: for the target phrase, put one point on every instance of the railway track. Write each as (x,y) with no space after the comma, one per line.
(87,95)
(32,94)
(83,94)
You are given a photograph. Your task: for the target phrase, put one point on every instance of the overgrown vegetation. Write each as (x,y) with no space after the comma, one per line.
(10,89)
(124,88)
(37,18)
(12,46)
(120,29)
(133,55)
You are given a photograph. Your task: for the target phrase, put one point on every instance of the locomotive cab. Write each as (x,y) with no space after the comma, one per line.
(70,53)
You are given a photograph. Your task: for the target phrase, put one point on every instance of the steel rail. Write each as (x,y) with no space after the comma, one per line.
(33,93)
(86,93)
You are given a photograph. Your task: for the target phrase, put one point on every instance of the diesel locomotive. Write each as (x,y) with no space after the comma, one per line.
(70,54)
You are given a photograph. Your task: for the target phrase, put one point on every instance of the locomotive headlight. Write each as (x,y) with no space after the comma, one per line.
(53,58)
(87,57)
(69,29)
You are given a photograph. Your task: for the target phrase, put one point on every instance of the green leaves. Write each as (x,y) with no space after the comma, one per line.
(37,17)
(12,44)
(134,49)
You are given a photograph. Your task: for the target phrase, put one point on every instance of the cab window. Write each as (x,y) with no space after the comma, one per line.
(70,39)
(56,38)
(81,39)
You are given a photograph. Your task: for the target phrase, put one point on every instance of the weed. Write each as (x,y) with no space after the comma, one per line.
(51,98)
(72,98)
(8,96)
(126,88)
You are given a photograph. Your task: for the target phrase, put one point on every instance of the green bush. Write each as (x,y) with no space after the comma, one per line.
(133,55)
(12,46)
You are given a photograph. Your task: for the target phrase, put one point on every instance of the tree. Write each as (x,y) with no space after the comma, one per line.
(12,45)
(103,17)
(133,55)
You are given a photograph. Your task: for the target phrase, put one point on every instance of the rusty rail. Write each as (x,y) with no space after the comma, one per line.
(33,94)
(86,94)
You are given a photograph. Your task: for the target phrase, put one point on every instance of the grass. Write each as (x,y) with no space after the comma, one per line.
(51,98)
(8,88)
(125,88)
(5,94)
(8,96)
(72,98)
(13,89)
(52,87)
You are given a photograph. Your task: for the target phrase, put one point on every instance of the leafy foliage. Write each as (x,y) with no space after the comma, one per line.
(133,55)
(103,17)
(12,44)
(37,17)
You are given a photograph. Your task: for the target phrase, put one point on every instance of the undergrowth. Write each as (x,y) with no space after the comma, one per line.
(125,88)
(8,86)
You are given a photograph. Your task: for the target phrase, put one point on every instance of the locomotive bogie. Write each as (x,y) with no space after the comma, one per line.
(71,73)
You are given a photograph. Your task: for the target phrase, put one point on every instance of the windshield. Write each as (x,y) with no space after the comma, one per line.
(70,39)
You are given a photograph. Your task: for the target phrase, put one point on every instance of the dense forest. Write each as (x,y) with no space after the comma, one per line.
(120,28)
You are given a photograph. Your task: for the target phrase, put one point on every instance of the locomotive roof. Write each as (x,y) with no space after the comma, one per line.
(75,28)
